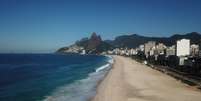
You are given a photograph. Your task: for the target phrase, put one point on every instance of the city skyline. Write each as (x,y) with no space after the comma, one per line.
(44,26)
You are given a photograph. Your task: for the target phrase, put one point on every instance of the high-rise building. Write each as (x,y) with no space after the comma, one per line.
(183,47)
(194,50)
(160,49)
(141,47)
(170,51)
(148,46)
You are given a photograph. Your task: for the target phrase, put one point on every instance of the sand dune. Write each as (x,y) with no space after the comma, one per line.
(129,80)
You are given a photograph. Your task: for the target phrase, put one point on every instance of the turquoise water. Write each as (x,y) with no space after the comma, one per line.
(50,77)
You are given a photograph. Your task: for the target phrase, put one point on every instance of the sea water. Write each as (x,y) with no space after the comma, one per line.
(51,77)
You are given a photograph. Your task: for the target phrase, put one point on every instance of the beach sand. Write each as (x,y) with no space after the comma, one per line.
(129,80)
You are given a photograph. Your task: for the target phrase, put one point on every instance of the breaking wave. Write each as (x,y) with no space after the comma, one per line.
(81,90)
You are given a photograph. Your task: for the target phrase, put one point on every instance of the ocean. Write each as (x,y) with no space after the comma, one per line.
(51,77)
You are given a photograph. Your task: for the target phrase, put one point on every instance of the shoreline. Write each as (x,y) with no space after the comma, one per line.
(100,81)
(129,80)
(84,89)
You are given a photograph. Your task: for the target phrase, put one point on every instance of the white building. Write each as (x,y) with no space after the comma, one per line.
(170,50)
(152,50)
(148,46)
(122,52)
(160,49)
(110,52)
(133,51)
(183,47)
(83,52)
(141,47)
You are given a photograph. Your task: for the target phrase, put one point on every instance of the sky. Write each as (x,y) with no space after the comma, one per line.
(40,26)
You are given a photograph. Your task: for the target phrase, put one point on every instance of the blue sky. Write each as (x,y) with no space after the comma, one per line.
(45,25)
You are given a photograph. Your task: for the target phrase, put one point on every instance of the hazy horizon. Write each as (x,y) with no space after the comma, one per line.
(43,26)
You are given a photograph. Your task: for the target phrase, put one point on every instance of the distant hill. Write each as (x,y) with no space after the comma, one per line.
(134,40)
(95,44)
(94,41)
(92,45)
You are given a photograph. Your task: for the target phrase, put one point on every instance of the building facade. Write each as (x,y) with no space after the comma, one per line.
(170,51)
(194,50)
(183,47)
(148,47)
(160,49)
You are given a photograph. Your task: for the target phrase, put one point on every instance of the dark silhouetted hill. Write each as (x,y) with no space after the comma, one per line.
(94,44)
(134,40)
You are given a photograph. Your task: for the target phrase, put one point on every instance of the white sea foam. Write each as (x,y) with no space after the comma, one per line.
(81,90)
(111,60)
(102,67)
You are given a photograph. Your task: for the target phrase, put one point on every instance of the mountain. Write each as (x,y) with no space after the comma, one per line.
(134,40)
(95,44)
(94,41)
(92,45)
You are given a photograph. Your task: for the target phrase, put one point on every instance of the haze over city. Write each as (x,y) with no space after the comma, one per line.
(30,26)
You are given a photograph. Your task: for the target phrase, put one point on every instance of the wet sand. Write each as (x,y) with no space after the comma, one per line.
(129,80)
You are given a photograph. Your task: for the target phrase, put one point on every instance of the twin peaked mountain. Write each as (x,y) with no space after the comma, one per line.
(92,45)
(95,44)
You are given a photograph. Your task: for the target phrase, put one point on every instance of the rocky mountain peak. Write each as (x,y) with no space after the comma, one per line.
(94,41)
(95,37)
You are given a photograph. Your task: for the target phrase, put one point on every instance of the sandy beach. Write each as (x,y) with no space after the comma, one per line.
(129,80)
